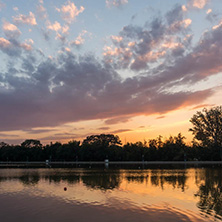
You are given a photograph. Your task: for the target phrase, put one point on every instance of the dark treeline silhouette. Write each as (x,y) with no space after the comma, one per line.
(206,145)
(108,146)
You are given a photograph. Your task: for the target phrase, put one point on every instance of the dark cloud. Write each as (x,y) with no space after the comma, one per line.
(202,106)
(121,131)
(60,137)
(38,131)
(175,15)
(160,117)
(104,128)
(12,141)
(213,16)
(116,120)
(6,135)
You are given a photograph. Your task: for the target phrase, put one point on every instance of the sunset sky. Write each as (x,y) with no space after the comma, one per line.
(137,69)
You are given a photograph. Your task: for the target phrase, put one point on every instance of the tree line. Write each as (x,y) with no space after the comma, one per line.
(206,145)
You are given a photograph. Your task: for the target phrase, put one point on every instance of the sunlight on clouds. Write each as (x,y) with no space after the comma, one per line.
(25,19)
(79,40)
(198,3)
(115,3)
(218,26)
(69,11)
(209,11)
(27,45)
(112,75)
(55,27)
(11,31)
(4,43)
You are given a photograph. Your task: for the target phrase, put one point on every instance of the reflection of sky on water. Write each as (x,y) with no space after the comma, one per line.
(191,192)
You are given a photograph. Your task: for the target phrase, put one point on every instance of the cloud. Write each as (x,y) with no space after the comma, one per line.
(69,11)
(7,135)
(55,27)
(27,45)
(39,91)
(2,5)
(41,12)
(121,131)
(160,117)
(4,43)
(9,48)
(104,128)
(12,46)
(212,16)
(10,30)
(80,39)
(197,3)
(25,19)
(74,89)
(138,46)
(60,137)
(38,131)
(61,31)
(116,3)
(117,120)
(202,106)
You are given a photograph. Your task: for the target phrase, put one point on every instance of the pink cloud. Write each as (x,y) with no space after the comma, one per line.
(4,43)
(11,31)
(197,3)
(116,3)
(41,12)
(69,11)
(55,27)
(27,45)
(80,39)
(25,19)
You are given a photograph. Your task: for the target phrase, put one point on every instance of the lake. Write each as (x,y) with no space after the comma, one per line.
(115,194)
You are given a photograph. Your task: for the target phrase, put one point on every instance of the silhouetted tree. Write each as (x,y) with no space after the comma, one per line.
(207,127)
(99,147)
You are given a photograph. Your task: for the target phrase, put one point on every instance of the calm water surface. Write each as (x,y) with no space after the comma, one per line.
(111,194)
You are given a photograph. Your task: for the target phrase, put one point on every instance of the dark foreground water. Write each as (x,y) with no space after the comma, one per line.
(110,194)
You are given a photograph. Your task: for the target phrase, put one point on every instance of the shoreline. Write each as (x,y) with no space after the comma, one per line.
(106,163)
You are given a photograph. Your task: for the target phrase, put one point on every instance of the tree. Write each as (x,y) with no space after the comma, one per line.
(30,143)
(100,147)
(207,127)
(103,139)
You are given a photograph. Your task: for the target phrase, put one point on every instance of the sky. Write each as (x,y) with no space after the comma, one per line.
(136,69)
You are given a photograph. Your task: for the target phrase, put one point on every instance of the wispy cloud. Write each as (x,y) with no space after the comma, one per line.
(104,128)
(2,5)
(121,131)
(117,120)
(41,12)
